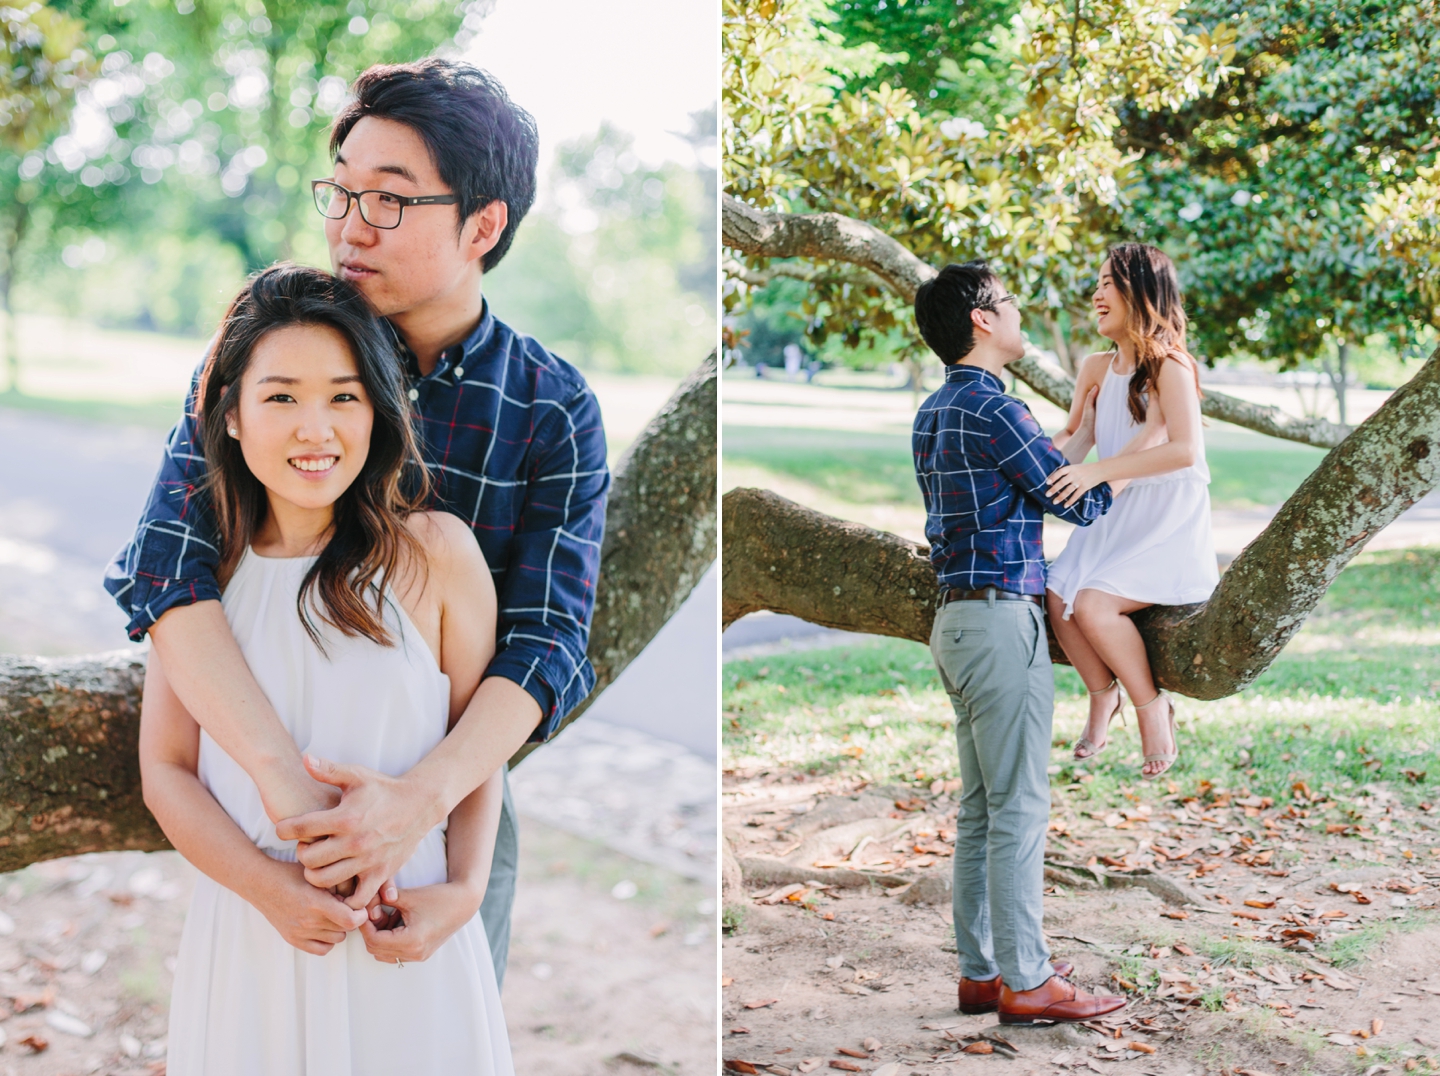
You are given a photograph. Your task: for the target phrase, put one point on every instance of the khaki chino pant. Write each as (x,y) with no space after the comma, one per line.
(994,661)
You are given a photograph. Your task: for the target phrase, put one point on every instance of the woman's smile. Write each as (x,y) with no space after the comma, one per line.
(314,467)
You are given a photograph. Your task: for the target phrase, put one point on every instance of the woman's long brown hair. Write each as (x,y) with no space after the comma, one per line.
(369,543)
(1155,317)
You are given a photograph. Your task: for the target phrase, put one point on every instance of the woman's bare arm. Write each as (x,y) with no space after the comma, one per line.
(1178,422)
(1078,437)
(207,837)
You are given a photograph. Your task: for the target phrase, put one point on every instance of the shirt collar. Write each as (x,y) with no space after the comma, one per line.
(962,372)
(452,358)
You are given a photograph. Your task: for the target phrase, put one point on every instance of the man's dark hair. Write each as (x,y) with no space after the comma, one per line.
(484,146)
(943,305)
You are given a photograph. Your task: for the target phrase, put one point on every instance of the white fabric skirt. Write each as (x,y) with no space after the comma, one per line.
(1154,545)
(245,1003)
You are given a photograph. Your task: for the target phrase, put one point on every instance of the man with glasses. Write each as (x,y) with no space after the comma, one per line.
(983,464)
(434,169)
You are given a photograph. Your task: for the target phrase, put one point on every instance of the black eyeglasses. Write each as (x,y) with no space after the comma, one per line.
(379,209)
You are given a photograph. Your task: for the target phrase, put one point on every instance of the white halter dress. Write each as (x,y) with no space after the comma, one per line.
(246,1003)
(1154,545)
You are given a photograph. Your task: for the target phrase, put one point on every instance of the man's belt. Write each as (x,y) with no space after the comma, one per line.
(985,595)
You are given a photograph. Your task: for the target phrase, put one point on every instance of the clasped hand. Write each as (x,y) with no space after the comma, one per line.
(349,855)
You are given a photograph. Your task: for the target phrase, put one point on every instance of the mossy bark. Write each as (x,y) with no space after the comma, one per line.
(69,769)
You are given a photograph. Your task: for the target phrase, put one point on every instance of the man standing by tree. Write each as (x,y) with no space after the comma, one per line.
(983,464)
(434,169)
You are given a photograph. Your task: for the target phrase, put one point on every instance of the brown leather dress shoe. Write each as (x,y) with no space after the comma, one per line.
(983,995)
(1055,1000)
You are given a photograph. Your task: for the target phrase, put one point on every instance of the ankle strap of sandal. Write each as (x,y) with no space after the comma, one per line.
(1107,687)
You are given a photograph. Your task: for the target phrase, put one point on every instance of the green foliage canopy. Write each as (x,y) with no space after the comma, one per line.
(1038,193)
(1268,192)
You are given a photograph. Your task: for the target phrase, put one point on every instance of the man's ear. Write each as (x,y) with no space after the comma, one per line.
(984,320)
(484,229)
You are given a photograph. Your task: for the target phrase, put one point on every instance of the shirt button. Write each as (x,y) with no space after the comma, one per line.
(414,394)
(459,371)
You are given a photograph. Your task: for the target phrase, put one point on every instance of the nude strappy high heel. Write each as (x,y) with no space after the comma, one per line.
(1084,741)
(1168,757)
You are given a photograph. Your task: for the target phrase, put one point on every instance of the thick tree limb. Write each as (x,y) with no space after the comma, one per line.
(840,238)
(69,770)
(780,556)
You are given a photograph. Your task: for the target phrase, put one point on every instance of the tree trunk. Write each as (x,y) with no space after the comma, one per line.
(835,237)
(789,559)
(69,769)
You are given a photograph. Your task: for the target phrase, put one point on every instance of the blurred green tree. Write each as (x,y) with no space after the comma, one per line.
(615,268)
(43,61)
(185,160)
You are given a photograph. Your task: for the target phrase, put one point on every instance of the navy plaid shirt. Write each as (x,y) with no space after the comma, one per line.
(514,443)
(982,460)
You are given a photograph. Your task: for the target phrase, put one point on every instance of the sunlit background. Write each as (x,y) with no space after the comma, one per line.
(130,213)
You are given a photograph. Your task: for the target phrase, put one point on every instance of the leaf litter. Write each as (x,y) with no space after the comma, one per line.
(1275,921)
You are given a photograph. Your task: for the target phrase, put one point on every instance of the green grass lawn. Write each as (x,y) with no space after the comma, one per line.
(1247,470)
(1352,700)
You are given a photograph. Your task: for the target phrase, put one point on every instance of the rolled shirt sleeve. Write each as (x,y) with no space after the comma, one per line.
(547,592)
(1026,457)
(171,559)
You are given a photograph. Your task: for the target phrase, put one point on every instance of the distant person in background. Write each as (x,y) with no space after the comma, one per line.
(793,357)
(434,169)
(1154,547)
(367,622)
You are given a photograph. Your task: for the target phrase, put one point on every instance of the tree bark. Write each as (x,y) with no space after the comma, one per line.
(789,559)
(69,727)
(839,238)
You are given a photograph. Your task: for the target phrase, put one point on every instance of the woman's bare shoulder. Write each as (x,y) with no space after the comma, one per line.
(447,542)
(1093,366)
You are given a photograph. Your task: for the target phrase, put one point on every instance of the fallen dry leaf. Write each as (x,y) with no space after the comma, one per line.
(727,980)
(764,1003)
(979,1048)
(871,1044)
(1239,914)
(1141,1047)
(846,1066)
(1252,903)
(1175,913)
(848,1052)
(37,1044)
(890,1068)
(739,1031)
(1377,1025)
(810,1064)
(1183,949)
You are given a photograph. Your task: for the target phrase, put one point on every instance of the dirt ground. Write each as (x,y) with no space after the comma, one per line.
(1249,939)
(600,980)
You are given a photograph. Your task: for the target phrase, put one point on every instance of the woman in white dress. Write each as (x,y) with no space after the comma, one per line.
(368,624)
(1154,546)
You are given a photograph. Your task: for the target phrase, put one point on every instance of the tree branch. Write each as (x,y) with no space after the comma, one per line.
(69,728)
(780,556)
(841,238)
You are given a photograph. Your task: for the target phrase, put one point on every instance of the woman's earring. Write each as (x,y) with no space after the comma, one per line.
(233,431)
